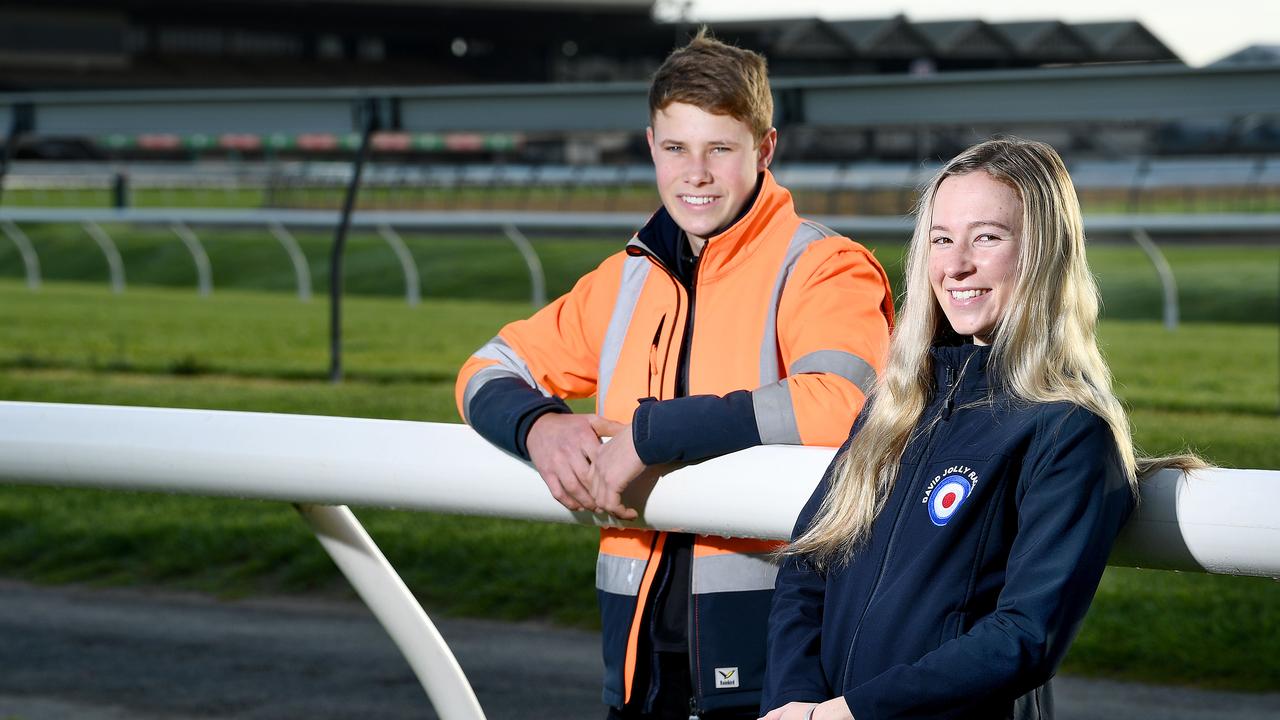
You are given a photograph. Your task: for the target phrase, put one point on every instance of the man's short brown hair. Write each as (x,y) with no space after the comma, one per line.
(718,78)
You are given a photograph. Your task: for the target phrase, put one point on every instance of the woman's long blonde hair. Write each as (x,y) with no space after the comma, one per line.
(1045,347)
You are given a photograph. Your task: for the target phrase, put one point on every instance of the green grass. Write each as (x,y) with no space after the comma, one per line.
(1213,387)
(1218,283)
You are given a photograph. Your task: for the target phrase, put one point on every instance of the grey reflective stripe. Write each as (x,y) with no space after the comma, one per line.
(775,415)
(634,272)
(477,381)
(619,575)
(837,362)
(733,573)
(805,235)
(498,349)
(509,365)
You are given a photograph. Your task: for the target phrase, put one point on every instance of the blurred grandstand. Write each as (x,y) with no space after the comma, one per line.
(1220,161)
(63,44)
(1197,184)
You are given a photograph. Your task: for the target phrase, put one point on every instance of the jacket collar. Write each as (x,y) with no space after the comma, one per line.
(959,364)
(661,236)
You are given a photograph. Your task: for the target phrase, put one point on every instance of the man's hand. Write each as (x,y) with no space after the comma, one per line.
(833,709)
(562,446)
(615,466)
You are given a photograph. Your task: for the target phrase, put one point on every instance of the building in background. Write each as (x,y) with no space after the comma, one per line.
(63,44)
(59,45)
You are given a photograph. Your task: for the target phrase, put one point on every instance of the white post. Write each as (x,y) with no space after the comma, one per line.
(27,251)
(204,273)
(537,278)
(377,583)
(412,291)
(114,262)
(1167,281)
(301,271)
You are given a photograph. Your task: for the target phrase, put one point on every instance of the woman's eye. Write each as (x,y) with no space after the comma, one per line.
(940,240)
(987,239)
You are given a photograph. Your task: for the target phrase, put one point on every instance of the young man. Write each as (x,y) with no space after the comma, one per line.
(726,322)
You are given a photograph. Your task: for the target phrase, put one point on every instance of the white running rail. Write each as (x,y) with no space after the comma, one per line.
(1218,521)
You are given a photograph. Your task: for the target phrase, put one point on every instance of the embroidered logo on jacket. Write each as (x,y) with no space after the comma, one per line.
(727,677)
(947,492)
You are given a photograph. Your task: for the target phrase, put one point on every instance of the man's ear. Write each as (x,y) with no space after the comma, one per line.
(764,152)
(648,135)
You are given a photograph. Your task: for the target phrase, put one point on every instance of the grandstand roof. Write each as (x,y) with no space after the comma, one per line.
(1045,40)
(964,39)
(885,37)
(1254,54)
(64,44)
(1126,40)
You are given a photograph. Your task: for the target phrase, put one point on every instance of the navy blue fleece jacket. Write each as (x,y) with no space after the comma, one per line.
(977,572)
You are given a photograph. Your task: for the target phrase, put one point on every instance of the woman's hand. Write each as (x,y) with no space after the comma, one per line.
(833,709)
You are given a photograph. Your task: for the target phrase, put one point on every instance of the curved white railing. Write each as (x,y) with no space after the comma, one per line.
(1219,521)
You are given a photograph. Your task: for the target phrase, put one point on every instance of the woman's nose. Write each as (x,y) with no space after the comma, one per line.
(960,261)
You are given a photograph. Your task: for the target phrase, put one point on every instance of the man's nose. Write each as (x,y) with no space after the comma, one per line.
(698,171)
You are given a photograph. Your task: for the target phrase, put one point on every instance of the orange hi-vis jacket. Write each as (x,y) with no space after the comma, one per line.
(781,307)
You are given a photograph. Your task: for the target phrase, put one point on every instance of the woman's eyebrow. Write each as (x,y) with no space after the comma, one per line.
(976,223)
(992,223)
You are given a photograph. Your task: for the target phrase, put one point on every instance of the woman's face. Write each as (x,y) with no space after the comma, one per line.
(973,251)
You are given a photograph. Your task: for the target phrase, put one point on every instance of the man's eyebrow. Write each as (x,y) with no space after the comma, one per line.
(733,143)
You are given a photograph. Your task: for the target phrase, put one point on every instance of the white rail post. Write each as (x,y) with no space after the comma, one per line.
(114,262)
(204,273)
(377,583)
(27,251)
(412,290)
(301,270)
(537,278)
(1167,281)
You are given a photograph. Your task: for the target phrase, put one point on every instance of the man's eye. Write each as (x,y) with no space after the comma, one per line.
(720,149)
(674,148)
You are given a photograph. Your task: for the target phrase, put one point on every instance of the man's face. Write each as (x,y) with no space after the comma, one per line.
(706,166)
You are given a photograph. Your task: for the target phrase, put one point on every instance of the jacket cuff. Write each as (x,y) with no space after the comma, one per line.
(504,410)
(804,696)
(694,428)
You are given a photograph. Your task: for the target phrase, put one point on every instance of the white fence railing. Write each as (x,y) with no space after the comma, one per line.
(1218,521)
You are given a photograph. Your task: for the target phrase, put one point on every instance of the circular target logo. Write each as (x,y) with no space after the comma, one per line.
(947,497)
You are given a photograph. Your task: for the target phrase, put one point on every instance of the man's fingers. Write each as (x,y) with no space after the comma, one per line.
(576,480)
(612,504)
(560,493)
(604,427)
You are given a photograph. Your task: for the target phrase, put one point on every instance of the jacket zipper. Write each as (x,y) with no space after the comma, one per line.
(681,389)
(953,382)
(686,342)
(653,356)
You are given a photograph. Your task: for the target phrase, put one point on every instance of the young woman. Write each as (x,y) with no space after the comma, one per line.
(946,561)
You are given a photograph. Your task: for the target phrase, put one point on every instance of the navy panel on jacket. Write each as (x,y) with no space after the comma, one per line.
(730,665)
(504,409)
(694,428)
